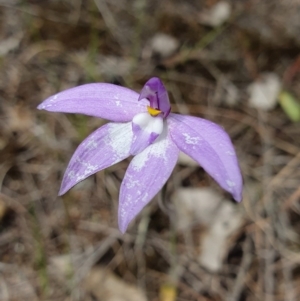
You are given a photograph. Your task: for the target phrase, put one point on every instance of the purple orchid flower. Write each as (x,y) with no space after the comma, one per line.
(143,127)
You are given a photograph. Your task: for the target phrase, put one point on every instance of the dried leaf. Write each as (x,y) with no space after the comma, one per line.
(104,285)
(195,205)
(219,217)
(226,221)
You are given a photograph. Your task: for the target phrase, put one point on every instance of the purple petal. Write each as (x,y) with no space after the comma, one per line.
(146,129)
(106,101)
(145,176)
(209,145)
(155,91)
(104,147)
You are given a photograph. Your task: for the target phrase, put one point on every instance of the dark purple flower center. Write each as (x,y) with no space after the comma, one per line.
(155,91)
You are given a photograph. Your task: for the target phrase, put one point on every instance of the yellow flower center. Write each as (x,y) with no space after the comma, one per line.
(153,112)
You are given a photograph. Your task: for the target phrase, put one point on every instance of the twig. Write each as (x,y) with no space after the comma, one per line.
(109,20)
(240,279)
(139,245)
(92,258)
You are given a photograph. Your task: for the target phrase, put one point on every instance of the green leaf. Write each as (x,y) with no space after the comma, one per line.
(290,105)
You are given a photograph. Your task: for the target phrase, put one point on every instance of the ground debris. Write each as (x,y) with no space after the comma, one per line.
(104,285)
(263,93)
(191,235)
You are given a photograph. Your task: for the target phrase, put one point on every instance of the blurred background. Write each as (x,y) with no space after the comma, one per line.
(234,62)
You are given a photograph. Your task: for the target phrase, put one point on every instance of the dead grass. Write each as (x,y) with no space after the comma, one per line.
(53,45)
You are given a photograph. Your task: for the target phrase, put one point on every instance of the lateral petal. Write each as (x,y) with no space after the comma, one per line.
(209,145)
(145,176)
(145,129)
(106,146)
(102,100)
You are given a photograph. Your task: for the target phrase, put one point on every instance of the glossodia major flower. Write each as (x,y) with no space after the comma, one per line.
(143,127)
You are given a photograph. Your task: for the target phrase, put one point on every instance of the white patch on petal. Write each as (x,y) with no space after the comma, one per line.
(71,174)
(90,144)
(118,139)
(157,125)
(229,153)
(230,183)
(157,149)
(120,145)
(89,168)
(142,120)
(149,123)
(145,197)
(132,183)
(146,130)
(50,102)
(191,140)
(123,212)
(128,200)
